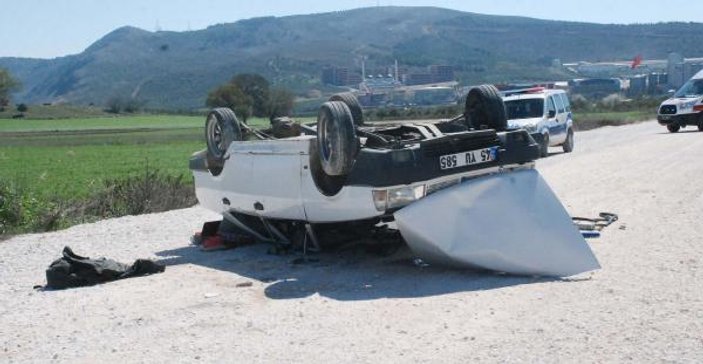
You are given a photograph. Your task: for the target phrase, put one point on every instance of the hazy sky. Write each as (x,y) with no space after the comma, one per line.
(52,28)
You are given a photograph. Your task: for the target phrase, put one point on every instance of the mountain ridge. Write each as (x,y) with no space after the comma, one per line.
(175,70)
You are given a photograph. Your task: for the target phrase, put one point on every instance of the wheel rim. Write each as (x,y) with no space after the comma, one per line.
(217,136)
(217,140)
(336,139)
(324,135)
(214,135)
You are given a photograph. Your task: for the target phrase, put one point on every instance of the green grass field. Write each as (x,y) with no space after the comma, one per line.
(69,158)
(128,122)
(109,123)
(75,170)
(59,111)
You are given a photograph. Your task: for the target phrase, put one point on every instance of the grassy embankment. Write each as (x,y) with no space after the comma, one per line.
(592,120)
(56,172)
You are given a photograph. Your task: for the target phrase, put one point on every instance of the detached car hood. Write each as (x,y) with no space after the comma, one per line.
(506,222)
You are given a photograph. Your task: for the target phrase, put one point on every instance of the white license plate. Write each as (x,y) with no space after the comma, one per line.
(463,159)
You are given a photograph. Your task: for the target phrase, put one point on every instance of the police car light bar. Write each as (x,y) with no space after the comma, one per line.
(529,90)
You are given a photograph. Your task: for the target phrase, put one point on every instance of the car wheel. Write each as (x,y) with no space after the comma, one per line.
(353,104)
(484,109)
(336,138)
(568,145)
(700,123)
(221,129)
(326,184)
(673,128)
(544,152)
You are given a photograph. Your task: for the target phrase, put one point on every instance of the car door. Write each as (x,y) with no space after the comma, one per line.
(567,108)
(558,131)
(551,115)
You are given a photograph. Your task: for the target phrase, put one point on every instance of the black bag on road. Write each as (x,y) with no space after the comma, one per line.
(73,270)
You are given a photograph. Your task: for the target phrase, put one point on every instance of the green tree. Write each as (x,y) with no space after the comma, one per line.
(118,104)
(257,88)
(251,94)
(280,102)
(231,96)
(8,84)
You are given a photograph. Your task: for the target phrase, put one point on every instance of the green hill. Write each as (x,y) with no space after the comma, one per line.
(176,69)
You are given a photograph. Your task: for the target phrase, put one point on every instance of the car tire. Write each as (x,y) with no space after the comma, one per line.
(326,184)
(568,145)
(673,128)
(221,129)
(544,150)
(484,109)
(700,123)
(353,104)
(336,138)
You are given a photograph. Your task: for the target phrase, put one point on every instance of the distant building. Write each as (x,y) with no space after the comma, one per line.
(379,83)
(595,87)
(339,76)
(417,79)
(435,74)
(681,69)
(638,85)
(441,73)
(657,83)
(353,79)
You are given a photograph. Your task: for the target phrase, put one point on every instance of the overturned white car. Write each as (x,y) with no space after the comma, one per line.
(295,182)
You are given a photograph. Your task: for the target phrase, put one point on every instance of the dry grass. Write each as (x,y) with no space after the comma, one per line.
(152,191)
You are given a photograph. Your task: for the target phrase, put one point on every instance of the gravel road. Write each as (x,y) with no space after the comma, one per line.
(645,305)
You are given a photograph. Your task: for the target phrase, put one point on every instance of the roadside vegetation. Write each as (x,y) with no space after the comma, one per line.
(61,165)
(53,179)
(23,209)
(612,110)
(588,114)
(60,172)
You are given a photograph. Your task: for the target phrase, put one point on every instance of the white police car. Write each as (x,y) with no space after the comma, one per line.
(685,107)
(544,113)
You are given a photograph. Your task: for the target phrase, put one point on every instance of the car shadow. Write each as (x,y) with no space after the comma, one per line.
(349,275)
(551,154)
(679,132)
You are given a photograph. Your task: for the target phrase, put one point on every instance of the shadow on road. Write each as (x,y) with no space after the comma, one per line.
(689,131)
(349,275)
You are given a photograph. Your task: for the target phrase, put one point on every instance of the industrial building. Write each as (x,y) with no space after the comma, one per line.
(680,69)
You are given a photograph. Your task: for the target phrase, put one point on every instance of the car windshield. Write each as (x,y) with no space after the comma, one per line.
(525,108)
(692,88)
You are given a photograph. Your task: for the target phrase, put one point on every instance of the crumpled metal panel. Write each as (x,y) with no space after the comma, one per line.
(508,222)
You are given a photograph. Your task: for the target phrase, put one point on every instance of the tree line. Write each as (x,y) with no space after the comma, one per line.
(8,84)
(247,94)
(252,95)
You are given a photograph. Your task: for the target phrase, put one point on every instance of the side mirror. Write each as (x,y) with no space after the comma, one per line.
(552,113)
(671,92)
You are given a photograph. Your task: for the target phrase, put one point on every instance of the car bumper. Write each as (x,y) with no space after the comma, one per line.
(680,119)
